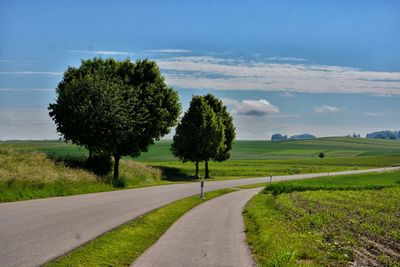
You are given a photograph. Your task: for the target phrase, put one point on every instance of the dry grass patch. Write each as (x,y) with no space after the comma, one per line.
(35,166)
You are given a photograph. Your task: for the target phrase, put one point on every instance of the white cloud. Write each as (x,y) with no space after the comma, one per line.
(169,51)
(103,52)
(383,95)
(326,109)
(287,59)
(259,107)
(45,73)
(287,94)
(233,74)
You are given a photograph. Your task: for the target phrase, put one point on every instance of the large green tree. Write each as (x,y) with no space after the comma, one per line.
(114,107)
(199,135)
(229,129)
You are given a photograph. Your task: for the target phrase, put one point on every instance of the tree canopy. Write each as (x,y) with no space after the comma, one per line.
(114,107)
(229,129)
(205,133)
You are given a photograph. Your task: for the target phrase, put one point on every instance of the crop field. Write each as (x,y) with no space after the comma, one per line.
(330,221)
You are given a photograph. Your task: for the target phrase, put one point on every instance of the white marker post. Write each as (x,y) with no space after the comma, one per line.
(202,189)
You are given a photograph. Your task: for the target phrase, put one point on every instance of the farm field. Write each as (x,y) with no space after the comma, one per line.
(329,221)
(243,150)
(331,146)
(34,169)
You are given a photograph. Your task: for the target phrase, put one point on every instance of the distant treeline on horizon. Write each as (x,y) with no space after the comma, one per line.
(392,135)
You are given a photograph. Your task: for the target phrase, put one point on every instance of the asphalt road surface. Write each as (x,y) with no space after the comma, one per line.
(36,231)
(211,234)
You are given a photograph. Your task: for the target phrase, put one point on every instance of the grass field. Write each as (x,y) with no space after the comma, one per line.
(260,150)
(53,168)
(246,150)
(330,221)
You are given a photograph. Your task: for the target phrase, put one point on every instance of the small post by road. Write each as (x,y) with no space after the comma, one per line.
(270,179)
(202,189)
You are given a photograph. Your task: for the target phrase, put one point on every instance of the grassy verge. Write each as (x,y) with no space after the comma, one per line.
(30,174)
(327,225)
(249,186)
(121,246)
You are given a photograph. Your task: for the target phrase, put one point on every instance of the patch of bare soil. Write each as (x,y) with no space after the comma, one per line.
(369,251)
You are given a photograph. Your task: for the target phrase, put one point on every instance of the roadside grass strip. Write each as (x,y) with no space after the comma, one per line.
(347,225)
(250,186)
(123,245)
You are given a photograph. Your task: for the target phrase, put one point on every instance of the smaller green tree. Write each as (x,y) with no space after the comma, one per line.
(229,129)
(321,155)
(200,134)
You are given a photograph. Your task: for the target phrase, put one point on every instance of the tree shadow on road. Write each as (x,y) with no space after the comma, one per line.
(174,174)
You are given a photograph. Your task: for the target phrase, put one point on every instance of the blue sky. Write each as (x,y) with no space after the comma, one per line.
(323,67)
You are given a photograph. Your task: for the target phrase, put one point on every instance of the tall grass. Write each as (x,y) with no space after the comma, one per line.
(30,174)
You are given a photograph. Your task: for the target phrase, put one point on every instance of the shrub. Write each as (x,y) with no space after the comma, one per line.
(100,164)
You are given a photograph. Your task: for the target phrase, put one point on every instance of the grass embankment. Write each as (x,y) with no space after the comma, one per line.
(331,221)
(123,245)
(29,175)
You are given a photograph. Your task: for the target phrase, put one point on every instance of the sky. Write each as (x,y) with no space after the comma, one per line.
(326,68)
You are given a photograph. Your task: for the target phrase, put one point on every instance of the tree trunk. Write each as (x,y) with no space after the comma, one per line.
(197,170)
(90,154)
(116,168)
(206,170)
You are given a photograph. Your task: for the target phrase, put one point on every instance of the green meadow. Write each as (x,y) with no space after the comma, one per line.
(34,169)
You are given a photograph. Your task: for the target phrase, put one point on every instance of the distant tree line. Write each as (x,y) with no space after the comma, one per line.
(280,137)
(384,135)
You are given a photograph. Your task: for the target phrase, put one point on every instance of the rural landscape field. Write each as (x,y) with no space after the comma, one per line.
(200,133)
(32,169)
(327,221)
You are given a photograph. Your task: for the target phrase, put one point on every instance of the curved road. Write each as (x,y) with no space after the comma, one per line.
(211,234)
(36,231)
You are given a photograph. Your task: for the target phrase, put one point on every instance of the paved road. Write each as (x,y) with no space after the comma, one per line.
(211,234)
(36,231)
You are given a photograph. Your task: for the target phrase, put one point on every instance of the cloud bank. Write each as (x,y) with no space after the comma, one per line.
(102,52)
(326,109)
(259,107)
(208,72)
